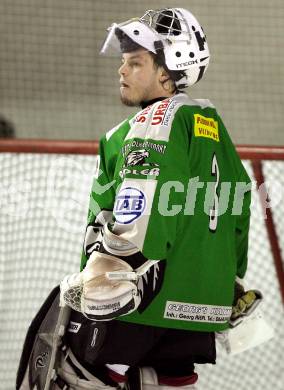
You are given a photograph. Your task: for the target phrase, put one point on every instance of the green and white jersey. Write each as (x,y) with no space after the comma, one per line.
(174,184)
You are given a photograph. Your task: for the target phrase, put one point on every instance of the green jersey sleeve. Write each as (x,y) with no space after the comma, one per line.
(102,196)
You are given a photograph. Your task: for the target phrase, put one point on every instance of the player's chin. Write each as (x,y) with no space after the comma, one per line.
(127,99)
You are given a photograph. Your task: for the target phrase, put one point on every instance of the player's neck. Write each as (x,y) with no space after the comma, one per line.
(147,103)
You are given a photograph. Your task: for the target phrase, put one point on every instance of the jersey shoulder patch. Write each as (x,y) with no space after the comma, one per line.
(204,122)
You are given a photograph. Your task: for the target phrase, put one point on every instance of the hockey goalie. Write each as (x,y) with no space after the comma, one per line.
(163,249)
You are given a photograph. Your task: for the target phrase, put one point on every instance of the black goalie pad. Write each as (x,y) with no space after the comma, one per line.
(41,343)
(53,330)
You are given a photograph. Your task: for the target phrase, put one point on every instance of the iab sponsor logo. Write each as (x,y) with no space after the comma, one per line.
(129,205)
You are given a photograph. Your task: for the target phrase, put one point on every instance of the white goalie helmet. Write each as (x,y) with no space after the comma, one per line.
(174,30)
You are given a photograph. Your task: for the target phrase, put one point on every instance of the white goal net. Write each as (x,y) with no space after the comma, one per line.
(43,208)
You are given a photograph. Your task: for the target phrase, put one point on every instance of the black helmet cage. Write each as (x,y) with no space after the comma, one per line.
(166,22)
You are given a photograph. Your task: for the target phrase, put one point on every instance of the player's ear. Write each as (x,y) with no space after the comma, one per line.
(165,80)
(163,75)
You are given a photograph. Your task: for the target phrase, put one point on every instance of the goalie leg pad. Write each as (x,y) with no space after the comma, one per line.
(40,354)
(68,371)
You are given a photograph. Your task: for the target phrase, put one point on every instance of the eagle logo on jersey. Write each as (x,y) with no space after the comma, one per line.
(136,157)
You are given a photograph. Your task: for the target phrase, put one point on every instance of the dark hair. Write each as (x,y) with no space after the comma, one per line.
(127,45)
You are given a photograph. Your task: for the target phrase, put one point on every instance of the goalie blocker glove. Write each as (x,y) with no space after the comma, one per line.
(105,289)
(245,303)
(248,327)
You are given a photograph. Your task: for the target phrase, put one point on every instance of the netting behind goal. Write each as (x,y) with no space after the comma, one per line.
(44,192)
